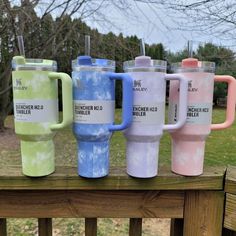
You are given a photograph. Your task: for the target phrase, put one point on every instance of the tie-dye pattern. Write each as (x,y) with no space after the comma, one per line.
(93,139)
(37,147)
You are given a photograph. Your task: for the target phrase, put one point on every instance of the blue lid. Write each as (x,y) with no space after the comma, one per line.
(84,60)
(92,63)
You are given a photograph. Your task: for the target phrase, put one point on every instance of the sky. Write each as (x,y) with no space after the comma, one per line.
(154,27)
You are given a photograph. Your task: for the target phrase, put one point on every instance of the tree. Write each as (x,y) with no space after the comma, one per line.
(156,51)
(23,20)
(212,17)
(6,43)
(225,62)
(44,36)
(47,37)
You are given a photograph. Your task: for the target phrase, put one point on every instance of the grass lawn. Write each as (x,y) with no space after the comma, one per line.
(220,145)
(220,150)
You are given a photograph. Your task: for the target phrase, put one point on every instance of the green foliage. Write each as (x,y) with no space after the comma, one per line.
(156,51)
(225,62)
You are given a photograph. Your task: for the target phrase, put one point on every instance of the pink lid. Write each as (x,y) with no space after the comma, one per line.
(190,62)
(193,65)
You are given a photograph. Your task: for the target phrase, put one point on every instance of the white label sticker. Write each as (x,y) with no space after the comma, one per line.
(36,110)
(149,113)
(197,113)
(94,112)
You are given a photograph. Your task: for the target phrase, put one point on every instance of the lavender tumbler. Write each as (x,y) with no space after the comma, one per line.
(149,91)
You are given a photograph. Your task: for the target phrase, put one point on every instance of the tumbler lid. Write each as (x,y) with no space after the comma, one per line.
(144,64)
(22,63)
(88,63)
(193,65)
(190,62)
(84,61)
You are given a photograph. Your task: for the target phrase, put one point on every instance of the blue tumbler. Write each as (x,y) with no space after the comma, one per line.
(94,110)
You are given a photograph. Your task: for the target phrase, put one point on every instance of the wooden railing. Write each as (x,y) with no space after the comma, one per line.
(195,204)
(230,202)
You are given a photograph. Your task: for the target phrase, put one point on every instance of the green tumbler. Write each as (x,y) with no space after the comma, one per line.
(35,98)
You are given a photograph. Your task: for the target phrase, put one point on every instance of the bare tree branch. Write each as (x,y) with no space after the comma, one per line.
(5,90)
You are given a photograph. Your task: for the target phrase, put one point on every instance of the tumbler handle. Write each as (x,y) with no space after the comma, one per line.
(231,99)
(66,99)
(127,100)
(183,98)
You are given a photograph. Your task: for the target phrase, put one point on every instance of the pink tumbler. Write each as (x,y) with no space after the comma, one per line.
(188,143)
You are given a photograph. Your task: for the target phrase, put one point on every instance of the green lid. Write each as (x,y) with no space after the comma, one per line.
(21,63)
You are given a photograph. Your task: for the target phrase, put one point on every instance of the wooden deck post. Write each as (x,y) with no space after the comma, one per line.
(203,213)
(3,227)
(228,232)
(90,226)
(45,226)
(176,227)
(230,202)
(135,227)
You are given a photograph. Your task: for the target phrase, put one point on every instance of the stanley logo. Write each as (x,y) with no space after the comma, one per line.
(137,86)
(18,85)
(18,82)
(137,83)
(190,87)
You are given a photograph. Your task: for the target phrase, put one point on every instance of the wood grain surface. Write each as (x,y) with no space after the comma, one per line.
(203,213)
(91,204)
(66,178)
